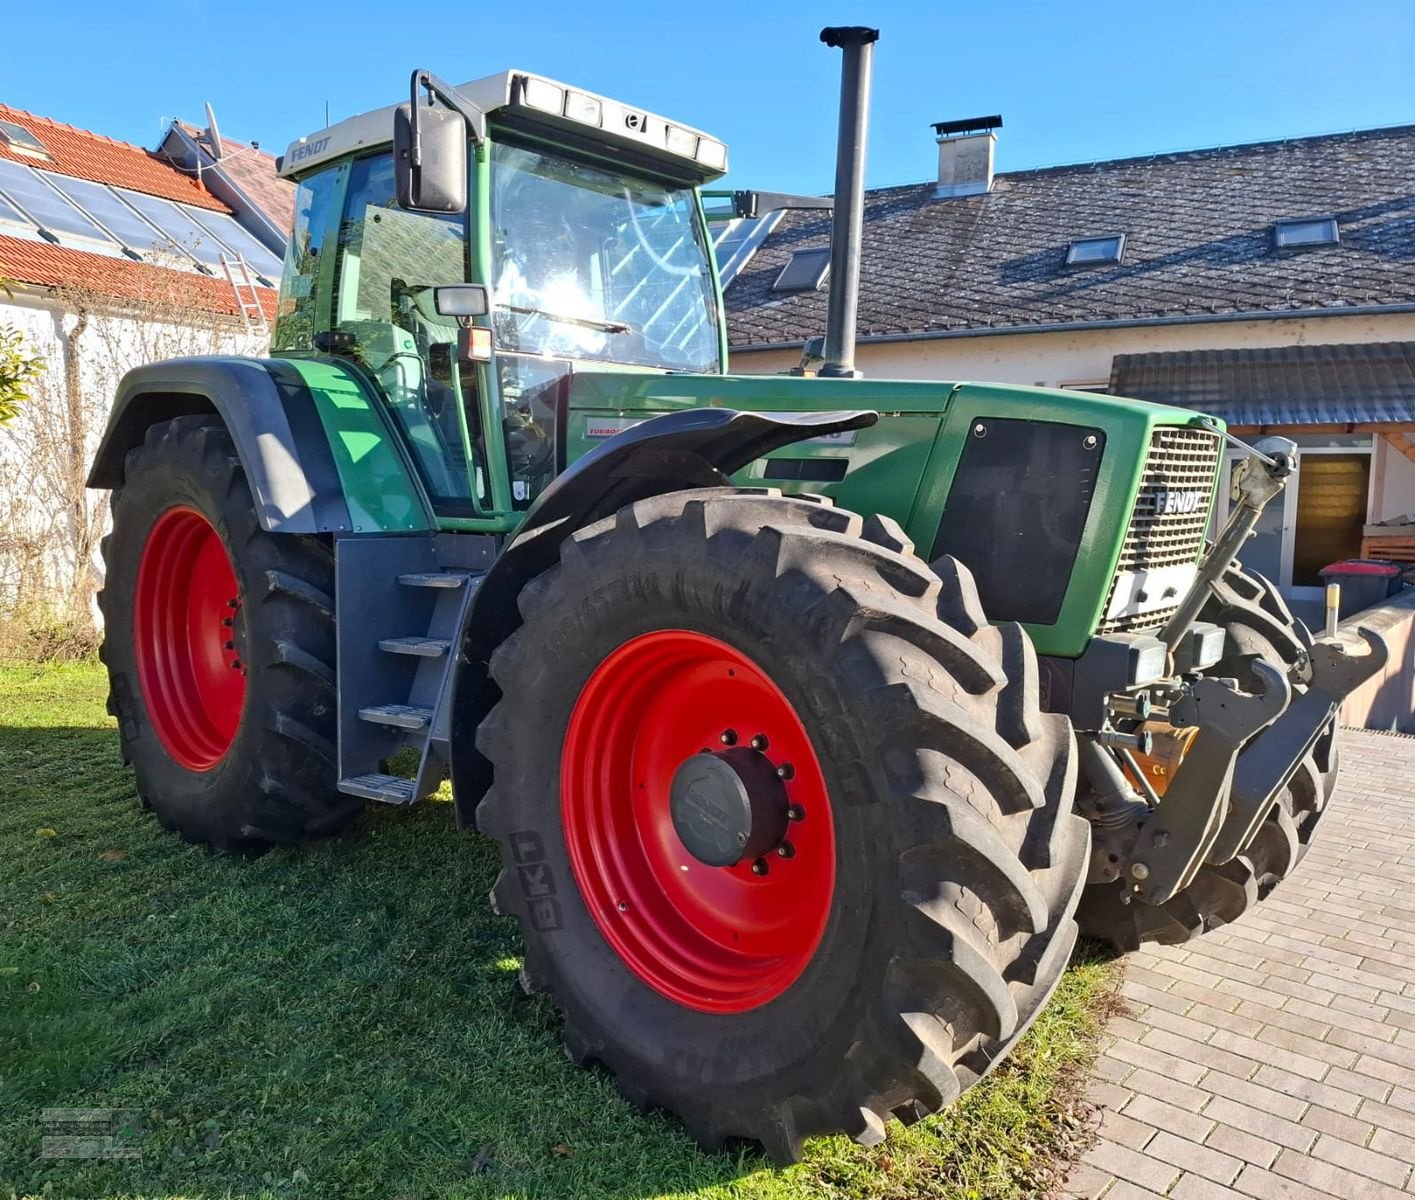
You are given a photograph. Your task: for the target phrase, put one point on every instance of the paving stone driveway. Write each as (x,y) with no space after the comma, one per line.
(1275,1058)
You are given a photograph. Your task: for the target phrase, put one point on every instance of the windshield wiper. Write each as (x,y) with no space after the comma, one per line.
(565,318)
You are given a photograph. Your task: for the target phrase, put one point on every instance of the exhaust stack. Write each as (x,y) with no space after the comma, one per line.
(846,232)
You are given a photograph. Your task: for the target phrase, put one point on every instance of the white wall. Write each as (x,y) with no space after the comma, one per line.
(50,524)
(1394,483)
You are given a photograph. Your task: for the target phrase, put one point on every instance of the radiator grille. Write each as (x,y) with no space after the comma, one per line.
(1180,460)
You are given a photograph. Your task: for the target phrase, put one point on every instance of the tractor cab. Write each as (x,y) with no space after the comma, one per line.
(577,224)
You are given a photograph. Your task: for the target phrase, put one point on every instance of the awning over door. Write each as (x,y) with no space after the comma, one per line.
(1289,385)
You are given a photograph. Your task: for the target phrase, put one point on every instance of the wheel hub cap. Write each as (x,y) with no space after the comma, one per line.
(728,805)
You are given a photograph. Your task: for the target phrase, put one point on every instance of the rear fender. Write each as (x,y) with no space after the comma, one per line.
(695,448)
(285,442)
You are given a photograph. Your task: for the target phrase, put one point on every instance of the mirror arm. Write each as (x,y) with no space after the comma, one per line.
(450,96)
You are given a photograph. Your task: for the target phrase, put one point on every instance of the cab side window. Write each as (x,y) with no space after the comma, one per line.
(297,322)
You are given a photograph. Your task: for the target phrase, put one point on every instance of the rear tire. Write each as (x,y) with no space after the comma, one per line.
(225,703)
(1257,622)
(954,857)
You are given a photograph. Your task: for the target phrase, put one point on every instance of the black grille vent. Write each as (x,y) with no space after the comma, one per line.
(1181,462)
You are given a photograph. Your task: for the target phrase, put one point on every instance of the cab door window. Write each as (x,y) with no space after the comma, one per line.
(388,263)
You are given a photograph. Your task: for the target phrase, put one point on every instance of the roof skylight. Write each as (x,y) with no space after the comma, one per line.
(1306,231)
(52,211)
(1097,251)
(144,240)
(805,272)
(179,226)
(21,140)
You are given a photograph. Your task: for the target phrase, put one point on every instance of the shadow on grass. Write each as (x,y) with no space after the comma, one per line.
(342,1021)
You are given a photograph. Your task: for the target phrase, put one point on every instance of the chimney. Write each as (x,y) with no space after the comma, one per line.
(965,151)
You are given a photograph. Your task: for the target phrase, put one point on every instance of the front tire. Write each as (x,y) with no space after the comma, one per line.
(219,643)
(923,911)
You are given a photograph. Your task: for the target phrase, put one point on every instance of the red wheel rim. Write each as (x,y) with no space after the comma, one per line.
(192,680)
(716,939)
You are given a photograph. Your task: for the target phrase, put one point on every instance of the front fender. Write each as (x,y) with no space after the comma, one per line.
(690,449)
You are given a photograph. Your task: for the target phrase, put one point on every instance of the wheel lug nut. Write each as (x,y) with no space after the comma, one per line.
(786,771)
(786,850)
(760,867)
(741,839)
(623,907)
(729,737)
(759,742)
(230,645)
(796,813)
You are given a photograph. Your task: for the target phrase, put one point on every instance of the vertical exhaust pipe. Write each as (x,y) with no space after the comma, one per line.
(847,226)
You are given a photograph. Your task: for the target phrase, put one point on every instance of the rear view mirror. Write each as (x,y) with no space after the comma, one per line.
(430,159)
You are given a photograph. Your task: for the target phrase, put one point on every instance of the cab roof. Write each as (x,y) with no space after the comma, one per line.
(531,96)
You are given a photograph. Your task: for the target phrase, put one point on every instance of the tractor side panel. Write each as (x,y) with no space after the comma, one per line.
(1045,540)
(379,484)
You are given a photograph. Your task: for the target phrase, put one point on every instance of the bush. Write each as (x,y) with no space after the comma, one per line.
(38,635)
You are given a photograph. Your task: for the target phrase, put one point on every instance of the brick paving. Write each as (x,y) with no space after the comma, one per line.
(1275,1058)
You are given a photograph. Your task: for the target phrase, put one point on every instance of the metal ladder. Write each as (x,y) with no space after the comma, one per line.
(394,690)
(238,274)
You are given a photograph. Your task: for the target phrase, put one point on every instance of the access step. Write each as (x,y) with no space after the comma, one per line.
(399,716)
(435,579)
(423,647)
(390,789)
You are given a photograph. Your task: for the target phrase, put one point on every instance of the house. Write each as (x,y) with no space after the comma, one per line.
(1272,284)
(111,256)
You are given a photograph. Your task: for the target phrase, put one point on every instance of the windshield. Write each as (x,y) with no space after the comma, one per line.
(589,263)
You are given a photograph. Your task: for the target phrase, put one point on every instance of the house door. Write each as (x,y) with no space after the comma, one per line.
(1315,520)
(1331,509)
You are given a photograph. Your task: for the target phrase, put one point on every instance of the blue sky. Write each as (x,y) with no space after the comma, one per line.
(1074,81)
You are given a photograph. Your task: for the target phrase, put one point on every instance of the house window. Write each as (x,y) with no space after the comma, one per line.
(20,140)
(1312,231)
(1091,252)
(1101,387)
(805,272)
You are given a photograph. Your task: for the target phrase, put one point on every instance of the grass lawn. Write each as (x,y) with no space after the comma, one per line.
(345,1021)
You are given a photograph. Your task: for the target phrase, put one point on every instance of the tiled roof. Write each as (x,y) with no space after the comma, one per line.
(91,156)
(1199,241)
(1287,385)
(58,266)
(253,171)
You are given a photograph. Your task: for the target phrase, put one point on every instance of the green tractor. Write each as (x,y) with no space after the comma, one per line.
(812,714)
